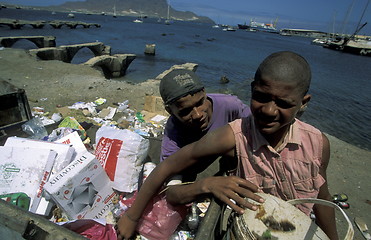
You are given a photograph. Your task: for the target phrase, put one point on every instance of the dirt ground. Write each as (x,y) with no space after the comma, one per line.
(49,84)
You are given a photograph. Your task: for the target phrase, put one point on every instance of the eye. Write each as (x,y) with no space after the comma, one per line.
(261,97)
(199,103)
(184,112)
(284,104)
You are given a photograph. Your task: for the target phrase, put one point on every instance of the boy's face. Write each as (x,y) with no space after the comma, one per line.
(274,105)
(194,111)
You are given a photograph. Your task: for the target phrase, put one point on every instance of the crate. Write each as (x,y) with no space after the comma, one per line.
(14,107)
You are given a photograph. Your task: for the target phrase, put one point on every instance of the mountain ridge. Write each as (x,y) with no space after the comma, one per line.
(150,8)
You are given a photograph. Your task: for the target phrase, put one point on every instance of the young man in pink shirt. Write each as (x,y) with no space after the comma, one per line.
(276,153)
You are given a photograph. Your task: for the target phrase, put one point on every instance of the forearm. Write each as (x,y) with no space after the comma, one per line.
(325,218)
(183,194)
(150,188)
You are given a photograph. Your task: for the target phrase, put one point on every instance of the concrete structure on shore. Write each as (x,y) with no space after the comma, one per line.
(39,41)
(66,53)
(112,66)
(18,24)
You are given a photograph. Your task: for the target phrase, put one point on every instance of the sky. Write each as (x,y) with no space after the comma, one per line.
(341,16)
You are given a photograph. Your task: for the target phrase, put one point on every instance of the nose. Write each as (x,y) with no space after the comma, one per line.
(269,108)
(196,113)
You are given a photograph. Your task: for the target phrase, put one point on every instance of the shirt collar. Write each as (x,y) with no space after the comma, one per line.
(258,140)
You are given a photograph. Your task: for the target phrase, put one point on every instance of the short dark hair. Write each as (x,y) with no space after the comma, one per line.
(287,66)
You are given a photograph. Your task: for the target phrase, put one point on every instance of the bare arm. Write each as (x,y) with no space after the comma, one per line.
(218,142)
(325,216)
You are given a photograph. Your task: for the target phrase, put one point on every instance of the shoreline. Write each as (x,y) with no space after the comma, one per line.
(49,84)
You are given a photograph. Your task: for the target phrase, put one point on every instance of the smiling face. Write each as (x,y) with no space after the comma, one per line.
(194,111)
(278,93)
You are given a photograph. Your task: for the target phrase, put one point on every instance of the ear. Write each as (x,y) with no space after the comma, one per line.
(168,109)
(305,101)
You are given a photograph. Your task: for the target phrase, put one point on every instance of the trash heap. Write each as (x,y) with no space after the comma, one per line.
(85,162)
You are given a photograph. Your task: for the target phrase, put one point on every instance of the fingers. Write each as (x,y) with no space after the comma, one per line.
(239,190)
(125,228)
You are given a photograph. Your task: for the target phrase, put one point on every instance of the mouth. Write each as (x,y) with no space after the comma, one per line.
(202,123)
(267,123)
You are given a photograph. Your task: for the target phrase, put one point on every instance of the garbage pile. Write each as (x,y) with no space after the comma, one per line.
(67,177)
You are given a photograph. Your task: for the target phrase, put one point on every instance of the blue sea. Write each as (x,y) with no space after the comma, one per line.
(341,82)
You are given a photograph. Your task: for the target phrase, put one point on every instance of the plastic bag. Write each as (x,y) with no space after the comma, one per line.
(35,128)
(92,229)
(121,153)
(160,219)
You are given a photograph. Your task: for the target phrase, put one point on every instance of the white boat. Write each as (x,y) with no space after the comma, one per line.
(138,20)
(229,29)
(71,15)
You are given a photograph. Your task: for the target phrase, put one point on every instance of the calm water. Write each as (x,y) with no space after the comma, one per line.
(341,85)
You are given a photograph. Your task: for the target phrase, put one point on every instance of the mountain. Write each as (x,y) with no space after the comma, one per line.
(150,8)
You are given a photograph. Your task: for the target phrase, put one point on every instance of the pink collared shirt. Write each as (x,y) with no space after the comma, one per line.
(291,171)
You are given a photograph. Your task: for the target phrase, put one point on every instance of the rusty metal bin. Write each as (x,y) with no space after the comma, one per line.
(14,107)
(19,224)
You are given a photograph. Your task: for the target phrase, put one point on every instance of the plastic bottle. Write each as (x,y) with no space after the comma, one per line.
(20,199)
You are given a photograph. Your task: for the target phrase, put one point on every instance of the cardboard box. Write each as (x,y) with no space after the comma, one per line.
(155,104)
(75,141)
(24,169)
(65,152)
(82,189)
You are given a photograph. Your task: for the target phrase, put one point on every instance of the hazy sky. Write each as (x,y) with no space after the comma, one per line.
(325,15)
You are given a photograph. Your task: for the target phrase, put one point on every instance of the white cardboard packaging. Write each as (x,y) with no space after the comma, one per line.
(74,140)
(65,152)
(82,189)
(24,169)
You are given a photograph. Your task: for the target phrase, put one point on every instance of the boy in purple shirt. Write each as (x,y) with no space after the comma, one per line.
(193,114)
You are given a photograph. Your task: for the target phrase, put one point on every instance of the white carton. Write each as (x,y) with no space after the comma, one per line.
(74,140)
(24,169)
(82,189)
(65,152)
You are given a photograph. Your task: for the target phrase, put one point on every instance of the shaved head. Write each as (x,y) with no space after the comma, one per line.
(286,67)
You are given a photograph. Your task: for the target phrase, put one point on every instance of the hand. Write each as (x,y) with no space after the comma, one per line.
(232,190)
(126,226)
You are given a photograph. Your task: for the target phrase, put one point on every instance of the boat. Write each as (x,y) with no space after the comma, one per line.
(138,20)
(71,15)
(229,29)
(353,43)
(318,41)
(243,26)
(264,27)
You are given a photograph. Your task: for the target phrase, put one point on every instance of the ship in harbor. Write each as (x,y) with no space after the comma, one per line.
(258,26)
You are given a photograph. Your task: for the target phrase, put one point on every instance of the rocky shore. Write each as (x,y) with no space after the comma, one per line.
(50,84)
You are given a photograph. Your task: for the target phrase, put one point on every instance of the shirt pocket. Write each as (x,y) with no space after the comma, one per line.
(310,187)
(267,184)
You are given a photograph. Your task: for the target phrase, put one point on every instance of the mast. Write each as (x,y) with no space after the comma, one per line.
(167,21)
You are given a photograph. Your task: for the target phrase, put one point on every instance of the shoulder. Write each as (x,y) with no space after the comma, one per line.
(233,104)
(224,98)
(307,128)
(312,138)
